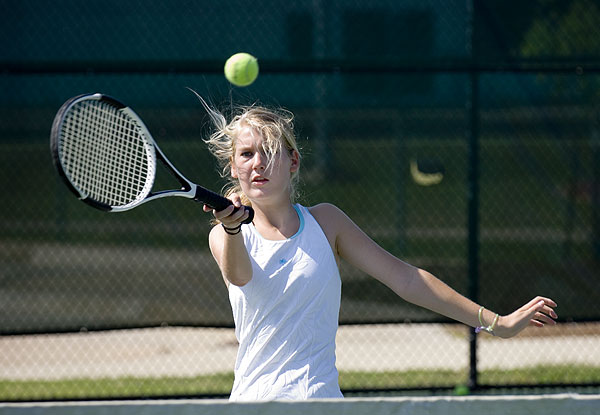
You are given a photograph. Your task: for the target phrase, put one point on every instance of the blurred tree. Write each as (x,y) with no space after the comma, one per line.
(556,32)
(569,29)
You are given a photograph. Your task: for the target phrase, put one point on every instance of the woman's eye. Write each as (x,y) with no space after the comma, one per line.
(246,154)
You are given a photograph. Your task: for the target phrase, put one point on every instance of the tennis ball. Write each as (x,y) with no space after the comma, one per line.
(461,390)
(241,69)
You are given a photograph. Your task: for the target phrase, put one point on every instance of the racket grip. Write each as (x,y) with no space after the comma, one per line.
(218,202)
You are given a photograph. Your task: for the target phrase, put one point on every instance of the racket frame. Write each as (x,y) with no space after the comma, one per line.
(188,189)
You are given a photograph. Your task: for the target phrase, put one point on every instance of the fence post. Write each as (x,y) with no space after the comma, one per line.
(595,148)
(472,107)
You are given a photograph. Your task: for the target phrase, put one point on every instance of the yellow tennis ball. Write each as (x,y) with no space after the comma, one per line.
(462,390)
(241,69)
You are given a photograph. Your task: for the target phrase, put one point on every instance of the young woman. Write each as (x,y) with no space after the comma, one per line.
(282,269)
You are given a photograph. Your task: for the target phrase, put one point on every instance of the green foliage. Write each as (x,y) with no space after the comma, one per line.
(220,384)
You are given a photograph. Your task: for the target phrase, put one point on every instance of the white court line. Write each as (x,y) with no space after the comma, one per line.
(559,404)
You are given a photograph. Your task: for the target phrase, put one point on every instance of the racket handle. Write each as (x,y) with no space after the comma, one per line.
(218,202)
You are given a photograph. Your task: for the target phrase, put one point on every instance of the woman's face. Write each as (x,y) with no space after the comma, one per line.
(262,179)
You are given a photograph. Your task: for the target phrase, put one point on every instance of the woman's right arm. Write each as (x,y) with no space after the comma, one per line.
(229,250)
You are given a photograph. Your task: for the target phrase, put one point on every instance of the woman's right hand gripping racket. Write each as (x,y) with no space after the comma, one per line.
(107,157)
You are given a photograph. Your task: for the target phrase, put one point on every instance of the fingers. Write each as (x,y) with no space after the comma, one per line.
(541,312)
(549,311)
(233,215)
(541,319)
(236,200)
(537,300)
(547,301)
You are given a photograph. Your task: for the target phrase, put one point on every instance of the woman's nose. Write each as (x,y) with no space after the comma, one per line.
(259,162)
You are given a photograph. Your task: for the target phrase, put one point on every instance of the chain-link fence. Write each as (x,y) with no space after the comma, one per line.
(463,136)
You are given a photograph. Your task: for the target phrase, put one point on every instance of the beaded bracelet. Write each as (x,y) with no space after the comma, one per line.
(232,231)
(490,328)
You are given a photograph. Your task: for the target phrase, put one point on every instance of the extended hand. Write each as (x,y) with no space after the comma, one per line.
(538,312)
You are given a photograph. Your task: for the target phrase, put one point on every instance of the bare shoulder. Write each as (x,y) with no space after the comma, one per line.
(326,213)
(324,209)
(332,219)
(328,217)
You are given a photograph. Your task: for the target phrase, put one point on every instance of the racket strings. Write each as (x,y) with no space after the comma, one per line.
(106,155)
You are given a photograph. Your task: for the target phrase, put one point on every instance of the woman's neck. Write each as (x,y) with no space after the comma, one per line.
(276,222)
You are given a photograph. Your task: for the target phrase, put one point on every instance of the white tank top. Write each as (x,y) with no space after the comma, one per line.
(286,317)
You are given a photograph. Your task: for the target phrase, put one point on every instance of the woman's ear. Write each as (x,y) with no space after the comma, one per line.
(234,172)
(295,159)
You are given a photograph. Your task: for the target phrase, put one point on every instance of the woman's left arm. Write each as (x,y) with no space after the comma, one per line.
(420,287)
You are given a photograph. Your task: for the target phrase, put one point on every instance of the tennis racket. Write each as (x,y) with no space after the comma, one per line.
(107,157)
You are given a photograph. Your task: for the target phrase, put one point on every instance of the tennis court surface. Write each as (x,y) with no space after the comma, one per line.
(559,404)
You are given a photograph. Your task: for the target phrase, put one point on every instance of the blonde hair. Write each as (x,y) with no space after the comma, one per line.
(276,127)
